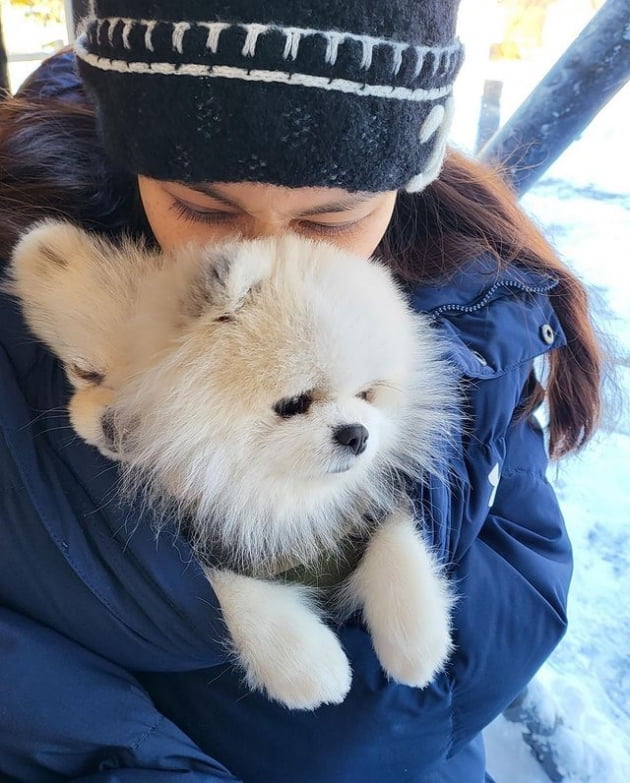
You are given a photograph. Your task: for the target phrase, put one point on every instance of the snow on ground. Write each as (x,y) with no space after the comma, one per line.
(586,683)
(578,709)
(575,717)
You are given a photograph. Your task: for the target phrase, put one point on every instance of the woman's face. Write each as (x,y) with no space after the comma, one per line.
(209,213)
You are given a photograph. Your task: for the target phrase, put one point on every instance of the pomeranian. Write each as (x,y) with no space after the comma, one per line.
(274,396)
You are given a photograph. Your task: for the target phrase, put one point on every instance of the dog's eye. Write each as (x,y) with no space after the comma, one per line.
(292,406)
(367,395)
(87,374)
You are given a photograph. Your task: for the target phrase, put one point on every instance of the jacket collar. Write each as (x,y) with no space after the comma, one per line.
(493,319)
(476,283)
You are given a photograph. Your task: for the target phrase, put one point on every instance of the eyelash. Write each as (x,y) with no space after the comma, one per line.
(195,216)
(210,218)
(329,231)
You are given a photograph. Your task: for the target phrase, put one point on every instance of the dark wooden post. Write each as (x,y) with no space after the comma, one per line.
(587,75)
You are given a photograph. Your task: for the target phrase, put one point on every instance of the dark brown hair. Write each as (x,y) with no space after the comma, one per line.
(52,164)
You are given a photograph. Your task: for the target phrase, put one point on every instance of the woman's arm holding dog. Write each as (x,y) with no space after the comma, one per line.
(511,574)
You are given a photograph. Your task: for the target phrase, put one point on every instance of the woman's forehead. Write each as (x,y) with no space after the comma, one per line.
(306,201)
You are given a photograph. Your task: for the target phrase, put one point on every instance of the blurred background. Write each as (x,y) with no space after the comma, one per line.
(573,724)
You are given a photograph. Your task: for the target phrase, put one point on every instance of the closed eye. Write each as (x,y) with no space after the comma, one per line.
(327,229)
(293,406)
(367,394)
(212,216)
(87,374)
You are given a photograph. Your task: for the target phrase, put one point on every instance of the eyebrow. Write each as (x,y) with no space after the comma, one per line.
(341,205)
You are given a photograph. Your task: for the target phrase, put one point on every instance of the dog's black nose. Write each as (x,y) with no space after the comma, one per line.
(353,436)
(108,427)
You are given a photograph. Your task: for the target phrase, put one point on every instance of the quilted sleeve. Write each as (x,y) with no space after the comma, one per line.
(512,579)
(66,713)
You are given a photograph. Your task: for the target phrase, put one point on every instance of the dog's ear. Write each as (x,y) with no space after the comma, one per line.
(46,251)
(48,273)
(228,276)
(76,291)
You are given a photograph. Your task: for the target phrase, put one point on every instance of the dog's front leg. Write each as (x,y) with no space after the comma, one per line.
(406,602)
(281,643)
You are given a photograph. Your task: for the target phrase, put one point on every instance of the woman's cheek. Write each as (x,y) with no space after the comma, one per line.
(177,232)
(172,231)
(169,228)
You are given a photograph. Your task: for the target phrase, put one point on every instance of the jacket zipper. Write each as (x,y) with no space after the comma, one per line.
(488,295)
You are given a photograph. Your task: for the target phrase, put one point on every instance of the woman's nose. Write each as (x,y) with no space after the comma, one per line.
(264,228)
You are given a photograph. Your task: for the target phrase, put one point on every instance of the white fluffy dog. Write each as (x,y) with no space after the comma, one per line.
(271,395)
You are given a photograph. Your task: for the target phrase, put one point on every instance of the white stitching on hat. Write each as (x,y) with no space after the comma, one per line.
(421,52)
(444,61)
(293,36)
(253,31)
(366,54)
(214,32)
(125,34)
(111,29)
(448,55)
(333,40)
(148,42)
(258,75)
(398,53)
(435,63)
(450,60)
(179,30)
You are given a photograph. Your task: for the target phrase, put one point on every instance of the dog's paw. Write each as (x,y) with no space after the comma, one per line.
(308,669)
(406,604)
(413,648)
(282,645)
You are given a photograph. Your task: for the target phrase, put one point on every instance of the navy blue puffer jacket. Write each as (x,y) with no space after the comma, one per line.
(112,664)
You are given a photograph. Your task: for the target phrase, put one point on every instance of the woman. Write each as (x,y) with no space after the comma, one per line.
(329,120)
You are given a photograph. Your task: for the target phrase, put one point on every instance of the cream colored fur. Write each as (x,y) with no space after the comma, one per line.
(178,361)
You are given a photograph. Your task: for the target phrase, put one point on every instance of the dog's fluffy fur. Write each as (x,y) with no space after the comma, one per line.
(272,394)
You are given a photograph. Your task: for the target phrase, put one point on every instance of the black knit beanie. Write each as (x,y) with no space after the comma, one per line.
(354,94)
